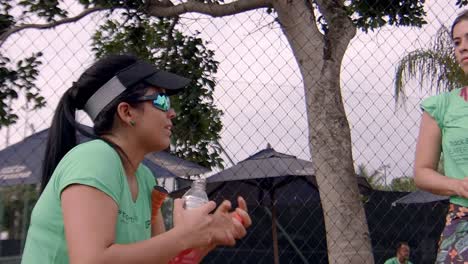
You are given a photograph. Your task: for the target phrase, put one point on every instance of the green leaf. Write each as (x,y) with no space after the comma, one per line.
(16,82)
(377,13)
(435,65)
(461,3)
(48,9)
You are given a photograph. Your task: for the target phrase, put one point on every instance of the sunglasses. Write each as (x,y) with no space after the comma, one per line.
(160,100)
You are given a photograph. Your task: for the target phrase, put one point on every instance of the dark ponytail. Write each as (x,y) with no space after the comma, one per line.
(61,137)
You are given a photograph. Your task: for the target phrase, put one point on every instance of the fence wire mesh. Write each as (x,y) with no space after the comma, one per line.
(261,84)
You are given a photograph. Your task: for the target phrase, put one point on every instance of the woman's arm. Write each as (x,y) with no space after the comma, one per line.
(428,150)
(90,220)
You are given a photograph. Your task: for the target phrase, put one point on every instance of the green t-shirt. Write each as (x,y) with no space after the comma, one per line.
(450,111)
(394,260)
(96,164)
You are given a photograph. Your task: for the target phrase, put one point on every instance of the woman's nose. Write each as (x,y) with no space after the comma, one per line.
(464,45)
(171,113)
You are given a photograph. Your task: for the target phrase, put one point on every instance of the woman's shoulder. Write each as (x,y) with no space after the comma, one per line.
(457,91)
(97,144)
(90,156)
(447,94)
(93,149)
(444,99)
(93,163)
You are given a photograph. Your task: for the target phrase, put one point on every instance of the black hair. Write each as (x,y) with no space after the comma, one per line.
(400,244)
(62,133)
(462,16)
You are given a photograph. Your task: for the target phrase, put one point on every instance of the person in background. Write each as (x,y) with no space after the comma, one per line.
(444,128)
(95,206)
(402,254)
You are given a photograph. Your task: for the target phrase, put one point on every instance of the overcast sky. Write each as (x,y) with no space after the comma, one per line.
(259,84)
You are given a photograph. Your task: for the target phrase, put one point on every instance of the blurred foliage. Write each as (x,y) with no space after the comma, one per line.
(17,81)
(462,3)
(372,14)
(403,184)
(435,65)
(15,208)
(48,9)
(377,180)
(17,76)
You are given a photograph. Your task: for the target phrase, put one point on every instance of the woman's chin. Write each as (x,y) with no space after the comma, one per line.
(162,147)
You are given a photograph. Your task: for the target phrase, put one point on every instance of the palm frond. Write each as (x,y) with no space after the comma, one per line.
(435,65)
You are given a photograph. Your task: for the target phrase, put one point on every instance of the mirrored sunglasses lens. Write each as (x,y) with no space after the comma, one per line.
(162,102)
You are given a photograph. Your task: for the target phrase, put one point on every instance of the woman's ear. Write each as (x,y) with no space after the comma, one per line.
(126,113)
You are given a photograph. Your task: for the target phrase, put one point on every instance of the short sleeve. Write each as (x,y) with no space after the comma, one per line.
(94,164)
(436,107)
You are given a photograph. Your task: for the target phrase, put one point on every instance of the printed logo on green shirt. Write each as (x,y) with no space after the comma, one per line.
(458,150)
(124,217)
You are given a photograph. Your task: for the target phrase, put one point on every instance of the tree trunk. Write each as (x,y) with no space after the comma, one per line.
(319,57)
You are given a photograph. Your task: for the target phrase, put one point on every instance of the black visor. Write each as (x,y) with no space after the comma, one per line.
(145,72)
(139,72)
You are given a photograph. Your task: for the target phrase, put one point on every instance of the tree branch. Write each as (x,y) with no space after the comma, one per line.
(154,8)
(170,39)
(340,27)
(5,35)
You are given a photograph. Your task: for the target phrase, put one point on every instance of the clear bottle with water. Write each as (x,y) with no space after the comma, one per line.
(196,196)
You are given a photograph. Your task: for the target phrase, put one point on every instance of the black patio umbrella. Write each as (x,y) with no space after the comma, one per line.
(266,178)
(419,197)
(21,163)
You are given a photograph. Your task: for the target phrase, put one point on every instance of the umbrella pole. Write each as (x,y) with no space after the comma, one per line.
(291,242)
(273,227)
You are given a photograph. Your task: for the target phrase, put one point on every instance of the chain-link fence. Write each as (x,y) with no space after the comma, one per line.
(288,86)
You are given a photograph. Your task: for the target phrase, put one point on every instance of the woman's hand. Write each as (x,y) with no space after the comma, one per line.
(196,224)
(230,226)
(206,231)
(460,187)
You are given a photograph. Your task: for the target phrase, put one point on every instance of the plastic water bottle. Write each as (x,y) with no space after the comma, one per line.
(196,196)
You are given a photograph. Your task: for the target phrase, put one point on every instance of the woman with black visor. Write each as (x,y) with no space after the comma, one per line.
(95,206)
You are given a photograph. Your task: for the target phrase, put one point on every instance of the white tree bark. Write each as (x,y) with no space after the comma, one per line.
(319,57)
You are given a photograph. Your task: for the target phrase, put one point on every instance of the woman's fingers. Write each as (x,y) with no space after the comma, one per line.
(208,207)
(239,228)
(464,185)
(178,203)
(224,207)
(177,211)
(246,220)
(230,239)
(223,231)
(241,203)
